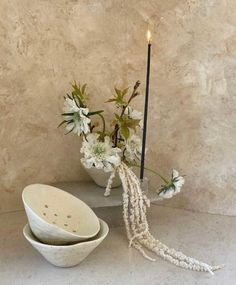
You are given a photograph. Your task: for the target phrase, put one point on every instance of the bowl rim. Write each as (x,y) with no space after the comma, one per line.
(63,231)
(35,241)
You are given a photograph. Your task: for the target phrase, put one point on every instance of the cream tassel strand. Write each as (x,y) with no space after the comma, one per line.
(109,183)
(135,203)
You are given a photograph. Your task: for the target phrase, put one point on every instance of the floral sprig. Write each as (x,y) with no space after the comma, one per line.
(172,188)
(124,123)
(78,120)
(106,148)
(76,113)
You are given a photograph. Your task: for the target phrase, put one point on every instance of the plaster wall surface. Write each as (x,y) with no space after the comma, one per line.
(45,45)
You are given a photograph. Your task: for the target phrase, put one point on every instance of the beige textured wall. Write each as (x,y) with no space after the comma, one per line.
(44,45)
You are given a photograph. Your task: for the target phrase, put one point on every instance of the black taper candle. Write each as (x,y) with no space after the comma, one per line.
(145,112)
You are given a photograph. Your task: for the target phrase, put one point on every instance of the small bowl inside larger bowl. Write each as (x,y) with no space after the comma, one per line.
(66,255)
(57,217)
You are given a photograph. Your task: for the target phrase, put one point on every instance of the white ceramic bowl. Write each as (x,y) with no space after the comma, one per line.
(66,255)
(57,217)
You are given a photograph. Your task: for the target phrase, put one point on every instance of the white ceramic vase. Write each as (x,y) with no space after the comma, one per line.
(100,177)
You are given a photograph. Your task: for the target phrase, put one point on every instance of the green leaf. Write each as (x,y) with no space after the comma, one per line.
(77,89)
(124,92)
(75,95)
(118,92)
(79,92)
(63,122)
(119,97)
(114,122)
(69,96)
(111,100)
(128,122)
(124,131)
(83,88)
(103,123)
(132,123)
(70,131)
(121,102)
(95,112)
(67,114)
(117,117)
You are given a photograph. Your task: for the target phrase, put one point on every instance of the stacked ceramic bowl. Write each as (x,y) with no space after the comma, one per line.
(61,227)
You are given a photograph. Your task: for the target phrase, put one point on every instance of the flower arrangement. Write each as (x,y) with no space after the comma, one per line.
(105,148)
(115,150)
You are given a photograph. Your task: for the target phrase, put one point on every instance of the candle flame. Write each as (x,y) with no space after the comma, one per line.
(149,36)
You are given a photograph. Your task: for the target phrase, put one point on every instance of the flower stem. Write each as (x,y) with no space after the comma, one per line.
(103,123)
(155,172)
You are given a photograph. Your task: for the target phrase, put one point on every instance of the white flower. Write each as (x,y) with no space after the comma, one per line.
(70,106)
(178,181)
(99,154)
(134,114)
(174,187)
(78,123)
(133,148)
(77,120)
(168,194)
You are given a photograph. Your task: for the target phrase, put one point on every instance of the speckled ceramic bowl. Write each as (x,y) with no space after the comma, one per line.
(66,255)
(57,217)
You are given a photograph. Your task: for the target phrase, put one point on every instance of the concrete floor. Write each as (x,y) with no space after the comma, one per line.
(211,238)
